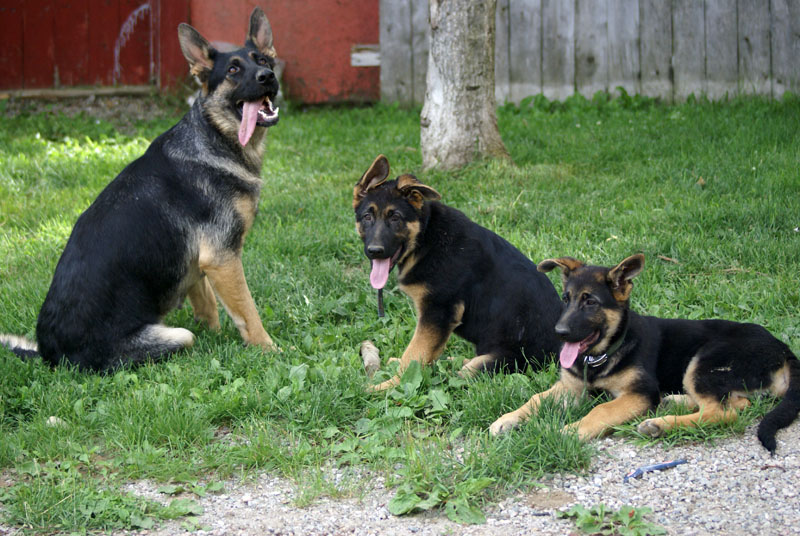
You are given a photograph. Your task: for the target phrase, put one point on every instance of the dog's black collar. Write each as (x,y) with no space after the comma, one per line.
(599,360)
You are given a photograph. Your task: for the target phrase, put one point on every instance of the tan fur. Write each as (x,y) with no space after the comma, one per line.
(204,303)
(619,383)
(471,368)
(709,409)
(426,346)
(515,418)
(604,417)
(246,208)
(780,381)
(374,176)
(226,275)
(612,321)
(409,258)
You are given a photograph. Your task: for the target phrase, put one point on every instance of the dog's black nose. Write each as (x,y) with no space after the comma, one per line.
(265,76)
(375,251)
(562,330)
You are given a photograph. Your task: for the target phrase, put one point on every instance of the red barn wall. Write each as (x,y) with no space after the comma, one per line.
(52,44)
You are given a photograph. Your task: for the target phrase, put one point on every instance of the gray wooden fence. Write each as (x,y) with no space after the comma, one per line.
(659,48)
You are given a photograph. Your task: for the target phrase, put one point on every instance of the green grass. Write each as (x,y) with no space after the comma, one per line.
(598,180)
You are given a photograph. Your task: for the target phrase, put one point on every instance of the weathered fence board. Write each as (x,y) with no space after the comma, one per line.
(623,46)
(525,49)
(688,43)
(661,48)
(754,53)
(591,46)
(558,43)
(502,71)
(785,46)
(396,52)
(721,56)
(655,37)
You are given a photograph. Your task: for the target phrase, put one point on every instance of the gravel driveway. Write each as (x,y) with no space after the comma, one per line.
(734,487)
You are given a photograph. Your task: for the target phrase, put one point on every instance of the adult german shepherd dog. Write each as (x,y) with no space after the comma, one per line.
(714,364)
(171,225)
(461,277)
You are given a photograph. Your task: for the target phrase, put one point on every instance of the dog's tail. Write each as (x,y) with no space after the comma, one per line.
(19,345)
(785,412)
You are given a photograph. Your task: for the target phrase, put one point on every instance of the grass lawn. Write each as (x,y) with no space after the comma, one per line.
(710,193)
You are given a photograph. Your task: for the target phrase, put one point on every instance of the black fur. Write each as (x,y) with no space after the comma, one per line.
(135,252)
(509,309)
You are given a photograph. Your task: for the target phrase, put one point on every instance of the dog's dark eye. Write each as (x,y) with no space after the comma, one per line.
(233,69)
(262,61)
(591,302)
(366,217)
(395,217)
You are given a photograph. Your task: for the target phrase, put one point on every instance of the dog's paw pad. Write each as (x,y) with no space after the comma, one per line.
(649,428)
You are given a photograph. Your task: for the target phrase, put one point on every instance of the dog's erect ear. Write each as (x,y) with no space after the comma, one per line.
(260,33)
(374,176)
(197,51)
(566,264)
(415,192)
(619,277)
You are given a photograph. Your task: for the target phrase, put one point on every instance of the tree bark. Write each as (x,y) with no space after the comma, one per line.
(458,121)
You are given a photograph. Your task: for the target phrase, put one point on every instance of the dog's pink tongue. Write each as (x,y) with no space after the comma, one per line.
(380,272)
(569,353)
(249,119)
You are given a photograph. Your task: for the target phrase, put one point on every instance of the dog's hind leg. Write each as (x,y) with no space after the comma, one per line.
(477,364)
(152,342)
(681,400)
(710,410)
(204,304)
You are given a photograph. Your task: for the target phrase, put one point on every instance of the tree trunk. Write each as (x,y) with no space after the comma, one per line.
(458,122)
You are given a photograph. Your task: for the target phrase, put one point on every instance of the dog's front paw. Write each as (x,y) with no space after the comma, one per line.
(650,427)
(388,384)
(507,422)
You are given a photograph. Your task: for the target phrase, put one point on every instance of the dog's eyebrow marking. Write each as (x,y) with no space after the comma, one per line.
(388,210)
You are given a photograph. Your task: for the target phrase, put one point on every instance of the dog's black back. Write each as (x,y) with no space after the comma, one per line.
(510,308)
(458,272)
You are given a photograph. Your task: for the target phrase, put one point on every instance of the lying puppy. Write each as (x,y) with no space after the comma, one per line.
(714,363)
(462,277)
(171,225)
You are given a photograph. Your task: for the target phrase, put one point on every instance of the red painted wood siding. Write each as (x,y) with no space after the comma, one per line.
(313,37)
(47,44)
(51,43)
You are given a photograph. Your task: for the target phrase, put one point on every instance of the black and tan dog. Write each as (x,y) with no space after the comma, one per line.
(713,363)
(171,225)
(462,277)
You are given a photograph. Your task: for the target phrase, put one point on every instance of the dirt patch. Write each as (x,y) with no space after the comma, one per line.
(121,111)
(549,499)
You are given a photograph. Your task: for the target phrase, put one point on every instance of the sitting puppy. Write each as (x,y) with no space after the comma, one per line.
(714,363)
(462,277)
(171,225)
